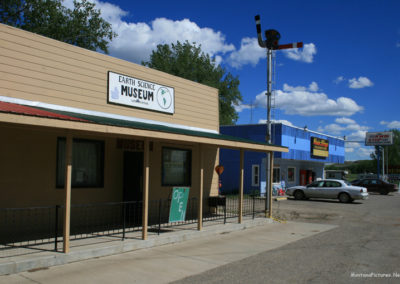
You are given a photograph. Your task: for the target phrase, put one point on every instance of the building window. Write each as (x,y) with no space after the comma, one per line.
(291,175)
(255,175)
(176,167)
(276,175)
(87,163)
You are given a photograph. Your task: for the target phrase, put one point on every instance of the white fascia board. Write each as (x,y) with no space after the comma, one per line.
(101,114)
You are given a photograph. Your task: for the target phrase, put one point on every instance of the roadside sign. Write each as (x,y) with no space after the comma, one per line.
(177,211)
(378,138)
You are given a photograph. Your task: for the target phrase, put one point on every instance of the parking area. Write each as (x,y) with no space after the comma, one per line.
(331,211)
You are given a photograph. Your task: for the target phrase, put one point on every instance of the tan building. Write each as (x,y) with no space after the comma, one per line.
(126,132)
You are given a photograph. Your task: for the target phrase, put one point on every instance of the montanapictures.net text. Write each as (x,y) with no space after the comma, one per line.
(375,275)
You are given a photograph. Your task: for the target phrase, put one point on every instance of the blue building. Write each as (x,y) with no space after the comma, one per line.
(309,151)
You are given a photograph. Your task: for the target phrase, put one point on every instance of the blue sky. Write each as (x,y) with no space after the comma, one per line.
(345,81)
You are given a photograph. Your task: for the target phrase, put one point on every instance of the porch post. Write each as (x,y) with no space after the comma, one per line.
(271,174)
(200,209)
(145,190)
(67,187)
(241,177)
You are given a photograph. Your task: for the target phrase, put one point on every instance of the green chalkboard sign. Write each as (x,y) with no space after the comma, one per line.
(177,211)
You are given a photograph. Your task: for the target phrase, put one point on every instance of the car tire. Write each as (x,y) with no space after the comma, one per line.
(298,195)
(384,191)
(344,198)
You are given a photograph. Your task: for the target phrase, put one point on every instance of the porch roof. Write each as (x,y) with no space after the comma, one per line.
(39,116)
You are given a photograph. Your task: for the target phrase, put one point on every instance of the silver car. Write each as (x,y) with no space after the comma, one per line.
(329,189)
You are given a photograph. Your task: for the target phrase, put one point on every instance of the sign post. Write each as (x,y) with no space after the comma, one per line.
(177,211)
(379,139)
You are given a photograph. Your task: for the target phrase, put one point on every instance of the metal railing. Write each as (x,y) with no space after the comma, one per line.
(24,227)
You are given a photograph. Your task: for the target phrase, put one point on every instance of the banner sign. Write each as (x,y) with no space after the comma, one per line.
(133,92)
(319,147)
(177,211)
(378,138)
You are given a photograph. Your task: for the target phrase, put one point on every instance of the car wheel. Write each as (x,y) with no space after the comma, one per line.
(345,198)
(298,195)
(384,191)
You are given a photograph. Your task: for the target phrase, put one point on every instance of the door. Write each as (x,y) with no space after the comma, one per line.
(314,189)
(303,174)
(133,186)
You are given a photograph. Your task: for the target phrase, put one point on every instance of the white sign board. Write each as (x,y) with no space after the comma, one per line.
(133,92)
(378,138)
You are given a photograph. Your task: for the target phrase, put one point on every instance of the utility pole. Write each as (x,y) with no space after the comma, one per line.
(271,43)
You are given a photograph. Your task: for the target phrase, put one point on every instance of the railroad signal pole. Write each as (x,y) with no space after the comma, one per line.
(271,43)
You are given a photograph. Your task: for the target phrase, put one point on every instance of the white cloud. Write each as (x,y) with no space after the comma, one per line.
(344,120)
(283,121)
(332,129)
(339,80)
(302,101)
(313,87)
(357,150)
(344,125)
(306,54)
(249,53)
(358,135)
(392,124)
(361,82)
(137,40)
(241,107)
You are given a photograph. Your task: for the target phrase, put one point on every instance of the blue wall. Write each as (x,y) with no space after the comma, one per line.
(296,139)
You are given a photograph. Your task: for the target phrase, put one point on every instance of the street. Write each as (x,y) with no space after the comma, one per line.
(328,242)
(364,248)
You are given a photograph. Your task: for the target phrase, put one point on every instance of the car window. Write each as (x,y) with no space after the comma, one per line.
(332,184)
(365,182)
(320,184)
(314,184)
(373,181)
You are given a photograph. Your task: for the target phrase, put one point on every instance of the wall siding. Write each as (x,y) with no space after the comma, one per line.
(37,68)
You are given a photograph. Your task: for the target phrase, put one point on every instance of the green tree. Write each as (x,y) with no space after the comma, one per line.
(188,61)
(81,26)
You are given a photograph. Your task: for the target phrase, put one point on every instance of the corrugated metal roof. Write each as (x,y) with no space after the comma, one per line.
(26,110)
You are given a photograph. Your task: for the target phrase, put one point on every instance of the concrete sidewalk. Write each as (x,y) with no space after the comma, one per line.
(214,246)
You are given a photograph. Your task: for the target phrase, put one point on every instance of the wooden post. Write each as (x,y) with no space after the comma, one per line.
(200,209)
(271,162)
(67,188)
(145,190)
(241,178)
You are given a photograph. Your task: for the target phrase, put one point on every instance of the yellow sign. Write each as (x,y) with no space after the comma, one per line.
(319,147)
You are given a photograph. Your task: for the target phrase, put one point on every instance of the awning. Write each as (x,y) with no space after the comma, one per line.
(39,116)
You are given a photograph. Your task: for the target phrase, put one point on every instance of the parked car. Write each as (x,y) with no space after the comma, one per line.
(376,185)
(330,189)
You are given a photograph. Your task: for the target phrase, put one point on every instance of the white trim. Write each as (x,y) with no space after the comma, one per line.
(286,125)
(255,173)
(100,114)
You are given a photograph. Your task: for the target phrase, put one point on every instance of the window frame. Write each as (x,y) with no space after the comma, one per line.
(100,184)
(189,169)
(294,174)
(255,173)
(279,175)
